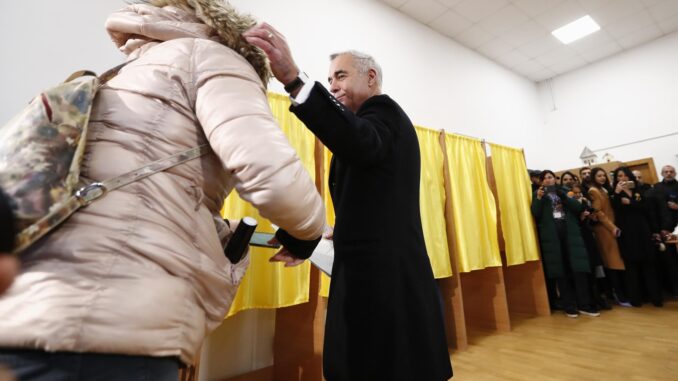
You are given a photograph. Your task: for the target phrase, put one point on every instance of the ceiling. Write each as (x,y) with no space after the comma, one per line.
(517,33)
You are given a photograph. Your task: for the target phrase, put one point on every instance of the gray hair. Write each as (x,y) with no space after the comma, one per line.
(363,62)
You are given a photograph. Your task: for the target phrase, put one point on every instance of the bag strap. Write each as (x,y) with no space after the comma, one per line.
(89,193)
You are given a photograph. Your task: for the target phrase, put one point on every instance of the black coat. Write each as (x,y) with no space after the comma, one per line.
(635,242)
(384,315)
(658,212)
(668,191)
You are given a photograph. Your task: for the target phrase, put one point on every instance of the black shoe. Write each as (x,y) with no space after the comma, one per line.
(603,304)
(571,313)
(589,312)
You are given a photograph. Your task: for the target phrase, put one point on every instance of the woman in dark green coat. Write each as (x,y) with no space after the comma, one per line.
(563,250)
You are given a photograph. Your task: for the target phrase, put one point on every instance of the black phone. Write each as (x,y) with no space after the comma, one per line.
(261,239)
(549,189)
(237,244)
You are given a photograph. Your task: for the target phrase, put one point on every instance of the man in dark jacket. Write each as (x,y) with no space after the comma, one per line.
(667,192)
(384,316)
(668,189)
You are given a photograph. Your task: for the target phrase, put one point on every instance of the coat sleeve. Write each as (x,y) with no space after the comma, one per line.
(663,211)
(575,207)
(537,206)
(597,204)
(231,106)
(358,140)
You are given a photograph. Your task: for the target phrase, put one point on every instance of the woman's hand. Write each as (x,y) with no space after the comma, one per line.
(584,215)
(9,268)
(328,233)
(625,201)
(619,188)
(284,256)
(540,193)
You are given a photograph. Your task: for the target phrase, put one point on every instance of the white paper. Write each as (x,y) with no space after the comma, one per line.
(323,256)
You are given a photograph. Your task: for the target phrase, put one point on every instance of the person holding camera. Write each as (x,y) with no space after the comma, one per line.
(606,233)
(563,251)
(599,285)
(631,210)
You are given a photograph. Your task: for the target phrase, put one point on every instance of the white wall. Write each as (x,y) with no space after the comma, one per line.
(437,82)
(45,41)
(623,99)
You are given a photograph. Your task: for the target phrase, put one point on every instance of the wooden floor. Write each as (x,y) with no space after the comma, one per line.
(626,344)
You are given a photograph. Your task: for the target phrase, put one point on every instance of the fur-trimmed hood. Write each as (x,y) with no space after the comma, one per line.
(163,20)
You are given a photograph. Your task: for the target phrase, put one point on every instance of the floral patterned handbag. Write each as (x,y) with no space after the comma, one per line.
(41,150)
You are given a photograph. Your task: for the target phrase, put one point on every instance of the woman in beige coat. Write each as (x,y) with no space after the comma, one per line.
(141,272)
(606,233)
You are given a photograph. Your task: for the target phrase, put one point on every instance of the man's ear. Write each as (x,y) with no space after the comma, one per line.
(371,78)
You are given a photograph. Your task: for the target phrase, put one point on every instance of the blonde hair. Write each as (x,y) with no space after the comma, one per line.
(229,24)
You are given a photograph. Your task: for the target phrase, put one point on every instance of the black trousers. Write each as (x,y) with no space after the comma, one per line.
(641,273)
(618,283)
(574,287)
(34,365)
(668,260)
(575,291)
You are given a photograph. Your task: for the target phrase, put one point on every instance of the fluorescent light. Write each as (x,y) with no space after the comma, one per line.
(576,30)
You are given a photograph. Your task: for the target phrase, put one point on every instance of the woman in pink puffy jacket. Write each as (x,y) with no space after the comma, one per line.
(129,286)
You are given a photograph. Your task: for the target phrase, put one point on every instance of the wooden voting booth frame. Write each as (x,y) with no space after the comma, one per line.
(480,302)
(645,166)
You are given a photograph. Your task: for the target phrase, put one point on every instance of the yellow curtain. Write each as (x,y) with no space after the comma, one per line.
(268,285)
(329,207)
(432,201)
(474,209)
(515,195)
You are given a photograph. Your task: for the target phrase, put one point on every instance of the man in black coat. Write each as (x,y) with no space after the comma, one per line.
(668,189)
(667,193)
(384,315)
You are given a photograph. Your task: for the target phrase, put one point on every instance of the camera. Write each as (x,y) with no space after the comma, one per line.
(549,189)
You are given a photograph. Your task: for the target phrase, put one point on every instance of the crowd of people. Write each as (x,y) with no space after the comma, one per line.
(606,241)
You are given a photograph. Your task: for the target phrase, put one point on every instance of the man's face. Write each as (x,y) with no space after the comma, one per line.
(586,173)
(351,87)
(639,176)
(668,173)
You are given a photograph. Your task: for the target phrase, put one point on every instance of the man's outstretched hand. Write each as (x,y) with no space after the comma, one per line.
(274,44)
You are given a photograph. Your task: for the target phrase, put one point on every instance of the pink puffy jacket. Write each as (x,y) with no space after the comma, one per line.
(142,270)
